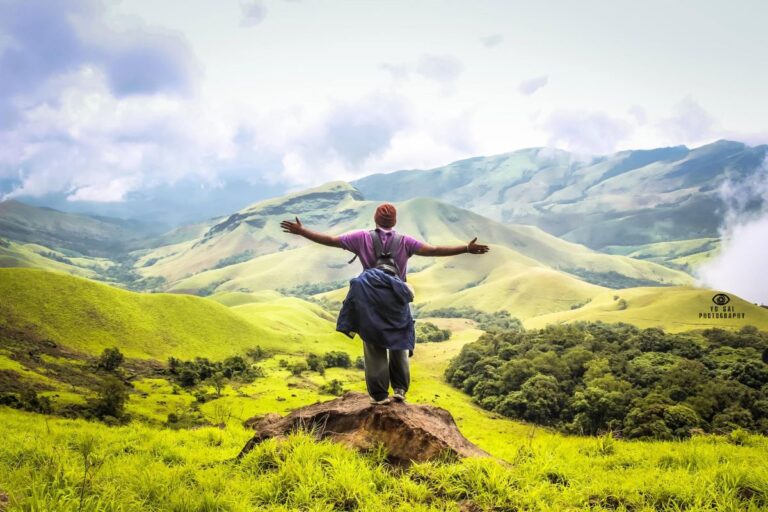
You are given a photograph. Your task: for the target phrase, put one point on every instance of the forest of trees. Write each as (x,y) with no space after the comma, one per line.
(498,320)
(590,378)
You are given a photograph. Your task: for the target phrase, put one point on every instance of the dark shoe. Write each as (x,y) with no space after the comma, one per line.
(399,395)
(383,401)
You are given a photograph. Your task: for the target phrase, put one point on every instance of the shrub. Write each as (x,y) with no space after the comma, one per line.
(335,387)
(110,359)
(337,359)
(429,332)
(298,367)
(111,399)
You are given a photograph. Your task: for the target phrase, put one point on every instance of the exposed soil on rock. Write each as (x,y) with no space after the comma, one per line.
(409,432)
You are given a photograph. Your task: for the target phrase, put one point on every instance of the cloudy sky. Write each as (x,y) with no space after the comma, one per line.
(102,98)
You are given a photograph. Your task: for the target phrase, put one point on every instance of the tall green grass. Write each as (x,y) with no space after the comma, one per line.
(67,465)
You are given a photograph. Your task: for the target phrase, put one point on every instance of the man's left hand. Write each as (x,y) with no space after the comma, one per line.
(474,248)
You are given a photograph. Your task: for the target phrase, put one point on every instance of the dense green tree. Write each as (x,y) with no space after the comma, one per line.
(429,332)
(337,359)
(110,359)
(539,400)
(218,380)
(591,377)
(111,399)
(732,418)
(681,420)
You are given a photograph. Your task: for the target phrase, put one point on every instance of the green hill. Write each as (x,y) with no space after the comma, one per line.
(673,309)
(93,236)
(249,252)
(683,254)
(87,317)
(13,254)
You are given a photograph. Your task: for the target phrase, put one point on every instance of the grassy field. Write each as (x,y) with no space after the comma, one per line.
(56,464)
(51,463)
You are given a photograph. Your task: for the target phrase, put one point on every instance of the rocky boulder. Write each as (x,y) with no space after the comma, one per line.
(409,432)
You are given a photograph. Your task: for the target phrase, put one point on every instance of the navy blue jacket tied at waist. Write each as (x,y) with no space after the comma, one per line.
(377,308)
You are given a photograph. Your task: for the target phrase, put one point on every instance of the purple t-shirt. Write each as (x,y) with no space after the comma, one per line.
(361,243)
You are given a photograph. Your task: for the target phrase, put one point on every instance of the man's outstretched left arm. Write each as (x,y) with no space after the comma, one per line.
(448,250)
(297,228)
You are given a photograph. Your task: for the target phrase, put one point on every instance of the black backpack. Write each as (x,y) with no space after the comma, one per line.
(385,260)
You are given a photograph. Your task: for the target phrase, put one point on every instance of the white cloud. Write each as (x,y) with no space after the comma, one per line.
(253,12)
(492,40)
(585,132)
(689,124)
(96,105)
(441,68)
(532,85)
(638,113)
(445,69)
(739,267)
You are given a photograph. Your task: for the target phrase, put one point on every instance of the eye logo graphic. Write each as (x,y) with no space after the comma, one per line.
(721,299)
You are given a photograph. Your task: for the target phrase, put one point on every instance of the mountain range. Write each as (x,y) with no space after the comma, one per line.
(565,233)
(628,198)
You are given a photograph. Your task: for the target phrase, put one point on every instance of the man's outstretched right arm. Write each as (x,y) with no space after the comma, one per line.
(297,228)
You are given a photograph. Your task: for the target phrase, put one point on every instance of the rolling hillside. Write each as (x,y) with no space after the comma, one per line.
(672,309)
(87,317)
(249,252)
(14,254)
(83,234)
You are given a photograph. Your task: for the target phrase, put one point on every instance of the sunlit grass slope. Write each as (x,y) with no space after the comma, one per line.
(88,317)
(13,254)
(687,254)
(306,327)
(673,309)
(500,280)
(239,298)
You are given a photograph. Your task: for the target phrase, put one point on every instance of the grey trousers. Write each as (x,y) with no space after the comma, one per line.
(382,367)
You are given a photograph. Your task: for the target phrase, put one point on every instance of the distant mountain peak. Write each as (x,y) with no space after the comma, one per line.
(332,190)
(327,195)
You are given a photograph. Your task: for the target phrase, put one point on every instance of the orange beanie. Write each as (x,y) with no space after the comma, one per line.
(386,216)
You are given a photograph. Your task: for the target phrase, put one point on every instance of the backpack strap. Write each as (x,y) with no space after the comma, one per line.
(377,247)
(395,244)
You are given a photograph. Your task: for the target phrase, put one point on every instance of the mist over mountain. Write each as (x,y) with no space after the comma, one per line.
(84,234)
(166,206)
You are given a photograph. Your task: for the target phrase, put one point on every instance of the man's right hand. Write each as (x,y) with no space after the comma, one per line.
(295,228)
